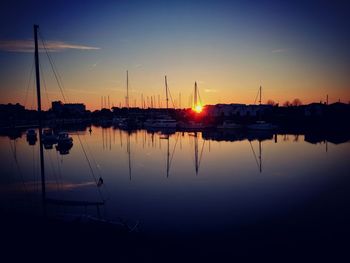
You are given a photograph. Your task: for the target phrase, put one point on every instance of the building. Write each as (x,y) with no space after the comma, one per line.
(236,110)
(70,108)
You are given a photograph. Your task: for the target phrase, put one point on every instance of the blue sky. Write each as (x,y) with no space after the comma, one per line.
(294,49)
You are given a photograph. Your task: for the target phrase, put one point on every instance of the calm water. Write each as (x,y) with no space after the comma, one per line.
(184,182)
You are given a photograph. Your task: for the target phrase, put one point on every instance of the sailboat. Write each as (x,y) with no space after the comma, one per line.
(197,108)
(49,201)
(129,122)
(260,124)
(162,121)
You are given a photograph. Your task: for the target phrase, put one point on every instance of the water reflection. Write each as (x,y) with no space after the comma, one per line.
(139,173)
(63,149)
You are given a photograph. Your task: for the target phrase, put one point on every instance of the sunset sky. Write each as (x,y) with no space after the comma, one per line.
(293,50)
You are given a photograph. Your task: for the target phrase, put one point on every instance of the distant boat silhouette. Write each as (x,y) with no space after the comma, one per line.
(260,124)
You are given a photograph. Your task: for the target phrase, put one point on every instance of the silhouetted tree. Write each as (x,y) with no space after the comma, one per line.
(296,102)
(271,102)
(286,103)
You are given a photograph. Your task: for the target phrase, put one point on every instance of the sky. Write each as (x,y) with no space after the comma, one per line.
(292,49)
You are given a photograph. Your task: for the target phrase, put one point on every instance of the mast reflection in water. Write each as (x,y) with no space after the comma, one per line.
(187,183)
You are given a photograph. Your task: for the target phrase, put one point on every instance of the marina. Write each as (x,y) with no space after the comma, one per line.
(174,131)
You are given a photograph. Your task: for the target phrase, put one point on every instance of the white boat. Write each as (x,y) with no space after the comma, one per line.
(165,123)
(229,125)
(261,125)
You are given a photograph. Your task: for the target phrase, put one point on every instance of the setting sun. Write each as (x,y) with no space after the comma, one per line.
(198,108)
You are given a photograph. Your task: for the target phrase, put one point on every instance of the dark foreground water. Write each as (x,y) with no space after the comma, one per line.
(195,196)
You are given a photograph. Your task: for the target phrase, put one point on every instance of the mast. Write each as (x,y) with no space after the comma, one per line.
(195,94)
(260,95)
(127,89)
(168,160)
(196,159)
(129,154)
(260,165)
(166,93)
(37,75)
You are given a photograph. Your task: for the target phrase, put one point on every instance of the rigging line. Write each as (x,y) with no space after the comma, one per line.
(91,170)
(192,144)
(96,165)
(171,97)
(44,82)
(199,96)
(93,159)
(54,69)
(256,96)
(256,160)
(28,85)
(33,98)
(172,154)
(200,157)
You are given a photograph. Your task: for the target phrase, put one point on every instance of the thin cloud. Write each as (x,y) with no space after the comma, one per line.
(210,90)
(280,50)
(28,46)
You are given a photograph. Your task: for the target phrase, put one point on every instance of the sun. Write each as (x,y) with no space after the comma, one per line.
(198,108)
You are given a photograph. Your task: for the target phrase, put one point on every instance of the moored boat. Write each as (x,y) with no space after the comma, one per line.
(49,137)
(31,134)
(229,125)
(262,125)
(64,139)
(163,123)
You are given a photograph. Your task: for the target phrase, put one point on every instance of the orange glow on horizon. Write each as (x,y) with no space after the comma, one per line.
(198,108)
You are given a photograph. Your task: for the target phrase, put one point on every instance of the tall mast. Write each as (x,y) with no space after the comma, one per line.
(168,160)
(127,89)
(166,92)
(195,94)
(37,75)
(260,96)
(260,164)
(129,154)
(196,159)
